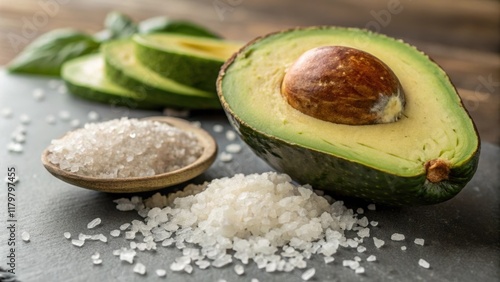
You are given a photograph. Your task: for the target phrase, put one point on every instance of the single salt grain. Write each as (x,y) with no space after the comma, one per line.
(127,255)
(93,116)
(352,264)
(38,94)
(239,269)
(75,122)
(202,264)
(97,261)
(15,147)
(161,272)
(308,274)
(188,268)
(125,207)
(361,249)
(96,255)
(226,157)
(95,222)
(419,241)
(50,119)
(371,207)
(371,258)
(397,237)
(64,115)
(124,226)
(218,128)
(359,270)
(378,242)
(24,119)
(423,263)
(6,112)
(139,268)
(233,148)
(25,236)
(403,248)
(77,242)
(67,235)
(254,280)
(356,258)
(230,135)
(373,223)
(114,233)
(328,259)
(360,211)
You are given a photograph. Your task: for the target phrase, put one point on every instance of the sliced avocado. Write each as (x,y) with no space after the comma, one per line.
(84,77)
(189,60)
(123,68)
(425,157)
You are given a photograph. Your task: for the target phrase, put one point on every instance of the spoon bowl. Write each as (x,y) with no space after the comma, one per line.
(149,183)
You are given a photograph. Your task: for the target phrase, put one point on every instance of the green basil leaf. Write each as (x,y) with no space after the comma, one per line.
(46,54)
(163,24)
(119,25)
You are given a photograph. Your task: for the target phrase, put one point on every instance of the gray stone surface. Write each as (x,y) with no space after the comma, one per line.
(461,235)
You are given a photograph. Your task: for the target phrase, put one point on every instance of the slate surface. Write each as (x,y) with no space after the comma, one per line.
(461,235)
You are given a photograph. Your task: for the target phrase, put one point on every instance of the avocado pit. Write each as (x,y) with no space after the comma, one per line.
(343,85)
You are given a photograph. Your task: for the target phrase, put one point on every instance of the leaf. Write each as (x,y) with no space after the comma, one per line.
(119,25)
(163,24)
(46,54)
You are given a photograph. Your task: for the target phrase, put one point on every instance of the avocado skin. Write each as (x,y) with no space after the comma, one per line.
(352,179)
(154,94)
(189,70)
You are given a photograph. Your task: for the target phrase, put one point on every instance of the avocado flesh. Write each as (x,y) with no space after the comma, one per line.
(435,124)
(123,68)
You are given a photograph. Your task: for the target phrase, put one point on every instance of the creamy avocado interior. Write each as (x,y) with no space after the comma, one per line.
(204,47)
(434,123)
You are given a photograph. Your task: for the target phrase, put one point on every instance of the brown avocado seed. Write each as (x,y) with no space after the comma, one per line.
(343,85)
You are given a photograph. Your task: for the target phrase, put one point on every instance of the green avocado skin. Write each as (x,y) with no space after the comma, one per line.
(197,72)
(351,179)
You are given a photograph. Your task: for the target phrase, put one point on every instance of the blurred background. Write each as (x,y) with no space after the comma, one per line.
(463,36)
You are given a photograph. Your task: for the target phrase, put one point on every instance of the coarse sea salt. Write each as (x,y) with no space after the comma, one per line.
(397,237)
(419,241)
(94,223)
(423,263)
(124,148)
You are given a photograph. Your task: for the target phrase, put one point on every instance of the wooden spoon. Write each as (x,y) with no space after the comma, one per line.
(141,184)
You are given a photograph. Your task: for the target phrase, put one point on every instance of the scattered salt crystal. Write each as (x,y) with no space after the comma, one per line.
(114,233)
(360,211)
(378,242)
(403,248)
(64,115)
(77,243)
(308,274)
(6,112)
(359,270)
(130,235)
(161,272)
(139,268)
(361,249)
(239,269)
(356,258)
(373,223)
(230,135)
(371,207)
(38,94)
(93,116)
(188,268)
(363,233)
(96,255)
(218,128)
(97,261)
(124,226)
(226,157)
(397,237)
(202,264)
(127,255)
(423,263)
(15,147)
(419,241)
(371,258)
(25,236)
(94,223)
(352,264)
(233,148)
(222,261)
(67,235)
(24,119)
(75,122)
(50,119)
(254,280)
(328,259)
(125,207)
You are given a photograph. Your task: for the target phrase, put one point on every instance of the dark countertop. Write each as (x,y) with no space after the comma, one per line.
(461,235)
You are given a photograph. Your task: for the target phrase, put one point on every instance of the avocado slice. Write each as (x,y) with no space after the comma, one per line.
(425,157)
(84,77)
(190,60)
(124,69)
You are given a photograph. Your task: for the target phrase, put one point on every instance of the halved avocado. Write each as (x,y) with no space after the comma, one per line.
(425,157)
(190,60)
(85,77)
(123,68)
